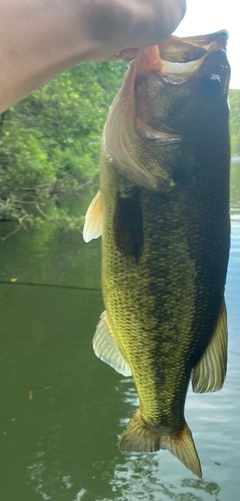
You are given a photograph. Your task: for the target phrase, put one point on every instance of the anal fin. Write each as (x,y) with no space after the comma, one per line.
(210,372)
(106,348)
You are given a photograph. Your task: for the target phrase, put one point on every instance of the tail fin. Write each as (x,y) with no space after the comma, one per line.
(139,437)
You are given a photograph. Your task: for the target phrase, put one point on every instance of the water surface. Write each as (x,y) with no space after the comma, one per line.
(62,409)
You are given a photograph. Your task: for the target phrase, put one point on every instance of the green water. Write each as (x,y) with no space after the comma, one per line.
(62,409)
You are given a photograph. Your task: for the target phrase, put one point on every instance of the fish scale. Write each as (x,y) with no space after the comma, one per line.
(165,287)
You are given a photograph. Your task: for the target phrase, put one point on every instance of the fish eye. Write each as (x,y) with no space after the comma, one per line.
(211,84)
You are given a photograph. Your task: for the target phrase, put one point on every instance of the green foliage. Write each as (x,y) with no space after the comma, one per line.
(234,100)
(50,143)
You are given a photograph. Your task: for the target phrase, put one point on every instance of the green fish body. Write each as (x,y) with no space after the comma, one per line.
(163,212)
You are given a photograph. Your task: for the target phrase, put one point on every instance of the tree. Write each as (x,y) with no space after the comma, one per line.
(234,99)
(50,143)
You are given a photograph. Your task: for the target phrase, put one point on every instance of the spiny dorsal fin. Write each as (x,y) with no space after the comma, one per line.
(94,219)
(210,372)
(139,437)
(106,348)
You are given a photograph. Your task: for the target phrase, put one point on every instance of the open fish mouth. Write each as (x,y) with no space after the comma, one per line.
(175,61)
(183,50)
(210,42)
(176,58)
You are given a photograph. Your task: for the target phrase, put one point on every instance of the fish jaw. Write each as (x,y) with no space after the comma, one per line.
(149,61)
(182,50)
(210,42)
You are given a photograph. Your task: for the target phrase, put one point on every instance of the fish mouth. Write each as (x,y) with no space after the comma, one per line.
(175,61)
(149,61)
(209,42)
(183,50)
(177,56)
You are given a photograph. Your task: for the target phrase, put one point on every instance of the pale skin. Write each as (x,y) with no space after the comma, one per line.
(41,38)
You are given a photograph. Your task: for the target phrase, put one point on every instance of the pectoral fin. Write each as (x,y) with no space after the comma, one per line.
(209,374)
(106,348)
(128,224)
(93,219)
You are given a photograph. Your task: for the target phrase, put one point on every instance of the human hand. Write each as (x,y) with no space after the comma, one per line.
(120,27)
(44,38)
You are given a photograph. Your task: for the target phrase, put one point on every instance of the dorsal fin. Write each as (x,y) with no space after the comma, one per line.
(94,219)
(210,372)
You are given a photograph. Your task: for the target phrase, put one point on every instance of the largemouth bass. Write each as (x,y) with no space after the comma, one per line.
(163,213)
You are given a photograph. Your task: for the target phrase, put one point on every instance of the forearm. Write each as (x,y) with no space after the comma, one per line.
(41,38)
(38,40)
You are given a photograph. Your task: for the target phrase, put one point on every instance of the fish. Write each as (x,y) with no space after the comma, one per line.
(163,213)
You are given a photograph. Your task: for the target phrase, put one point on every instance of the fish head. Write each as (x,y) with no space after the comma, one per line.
(179,96)
(166,110)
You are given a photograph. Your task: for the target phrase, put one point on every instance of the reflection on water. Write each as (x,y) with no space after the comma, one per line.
(63,409)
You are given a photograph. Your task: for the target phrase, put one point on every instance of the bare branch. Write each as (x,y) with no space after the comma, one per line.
(41,211)
(16,229)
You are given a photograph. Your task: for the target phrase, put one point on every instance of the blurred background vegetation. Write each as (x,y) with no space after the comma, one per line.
(234,100)
(50,143)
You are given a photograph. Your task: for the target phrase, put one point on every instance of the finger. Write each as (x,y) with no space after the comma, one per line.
(128,54)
